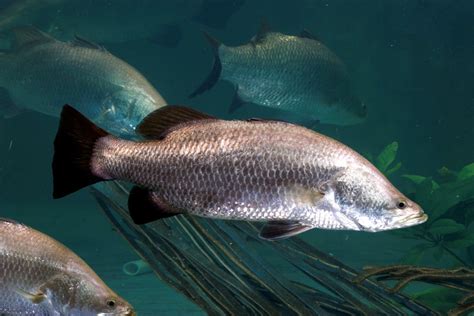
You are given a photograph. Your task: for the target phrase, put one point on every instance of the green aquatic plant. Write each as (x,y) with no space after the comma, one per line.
(385,160)
(450,206)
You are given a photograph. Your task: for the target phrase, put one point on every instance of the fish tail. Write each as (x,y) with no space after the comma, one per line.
(215,73)
(73,151)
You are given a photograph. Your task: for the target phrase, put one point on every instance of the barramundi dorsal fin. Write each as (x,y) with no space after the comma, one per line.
(27,36)
(82,42)
(305,33)
(161,122)
(275,230)
(262,32)
(8,220)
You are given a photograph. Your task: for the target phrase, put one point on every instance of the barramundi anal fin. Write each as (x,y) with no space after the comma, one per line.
(35,298)
(82,42)
(145,207)
(275,230)
(161,122)
(28,36)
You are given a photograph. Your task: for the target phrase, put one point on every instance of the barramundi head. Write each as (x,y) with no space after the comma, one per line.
(367,201)
(85,295)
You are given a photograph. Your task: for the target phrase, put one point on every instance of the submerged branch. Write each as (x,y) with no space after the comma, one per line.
(461,279)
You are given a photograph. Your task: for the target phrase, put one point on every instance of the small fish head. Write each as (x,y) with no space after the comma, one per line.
(369,202)
(92,297)
(123,111)
(351,110)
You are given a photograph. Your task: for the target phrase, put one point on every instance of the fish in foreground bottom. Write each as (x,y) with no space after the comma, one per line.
(40,276)
(290,177)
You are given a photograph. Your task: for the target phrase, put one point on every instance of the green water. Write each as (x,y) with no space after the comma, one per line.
(410,61)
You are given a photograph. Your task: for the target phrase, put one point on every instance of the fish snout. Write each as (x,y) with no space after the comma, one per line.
(131,312)
(412,214)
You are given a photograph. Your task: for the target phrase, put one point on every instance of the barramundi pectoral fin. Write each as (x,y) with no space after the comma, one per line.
(145,207)
(162,121)
(35,298)
(276,230)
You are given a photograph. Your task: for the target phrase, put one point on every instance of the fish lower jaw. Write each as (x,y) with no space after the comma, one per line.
(412,220)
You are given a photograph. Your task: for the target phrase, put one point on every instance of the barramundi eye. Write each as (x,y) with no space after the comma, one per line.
(111,303)
(401,205)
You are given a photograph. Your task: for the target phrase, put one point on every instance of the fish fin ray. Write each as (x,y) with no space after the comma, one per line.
(28,36)
(145,207)
(73,151)
(82,42)
(305,33)
(8,108)
(262,32)
(9,220)
(35,298)
(237,102)
(161,122)
(275,230)
(216,71)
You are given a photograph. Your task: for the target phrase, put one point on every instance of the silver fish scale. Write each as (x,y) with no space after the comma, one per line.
(231,169)
(25,264)
(290,73)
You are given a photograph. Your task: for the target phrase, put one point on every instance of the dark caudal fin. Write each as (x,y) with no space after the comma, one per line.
(215,73)
(73,150)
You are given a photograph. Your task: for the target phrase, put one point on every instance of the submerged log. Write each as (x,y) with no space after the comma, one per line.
(221,266)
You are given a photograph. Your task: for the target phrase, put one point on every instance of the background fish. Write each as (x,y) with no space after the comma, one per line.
(291,177)
(102,20)
(39,73)
(40,276)
(289,73)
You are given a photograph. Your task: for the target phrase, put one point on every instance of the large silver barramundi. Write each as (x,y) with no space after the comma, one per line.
(41,72)
(41,277)
(295,74)
(286,175)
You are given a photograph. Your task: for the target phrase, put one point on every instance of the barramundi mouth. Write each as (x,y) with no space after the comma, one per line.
(129,312)
(413,219)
